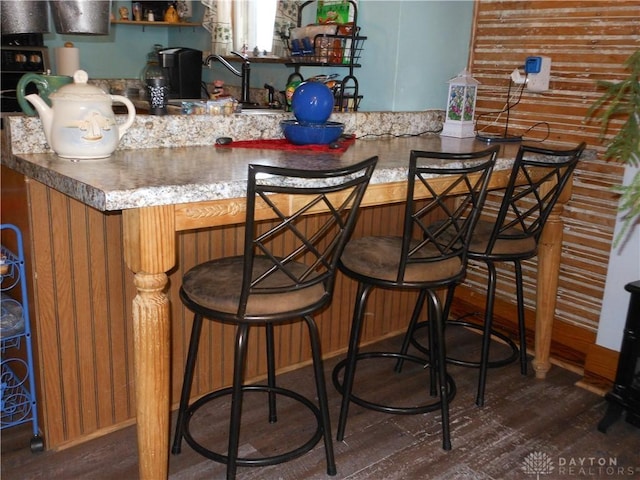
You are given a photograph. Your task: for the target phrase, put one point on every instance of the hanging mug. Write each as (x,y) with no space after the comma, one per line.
(46,85)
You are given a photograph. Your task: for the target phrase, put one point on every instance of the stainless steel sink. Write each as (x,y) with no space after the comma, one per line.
(246,109)
(260,110)
(256,108)
(178,101)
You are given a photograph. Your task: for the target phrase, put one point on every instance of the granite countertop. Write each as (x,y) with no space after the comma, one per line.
(173,159)
(163,176)
(171,131)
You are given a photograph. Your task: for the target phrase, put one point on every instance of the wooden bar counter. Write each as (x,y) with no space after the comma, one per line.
(163,210)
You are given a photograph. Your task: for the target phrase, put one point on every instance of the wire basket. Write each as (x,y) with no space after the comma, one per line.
(326,49)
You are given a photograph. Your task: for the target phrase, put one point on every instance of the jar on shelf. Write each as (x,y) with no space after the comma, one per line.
(152,67)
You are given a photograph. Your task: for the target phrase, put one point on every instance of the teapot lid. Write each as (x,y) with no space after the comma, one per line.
(80,90)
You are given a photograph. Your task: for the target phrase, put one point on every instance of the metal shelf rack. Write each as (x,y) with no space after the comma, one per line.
(17,385)
(331,50)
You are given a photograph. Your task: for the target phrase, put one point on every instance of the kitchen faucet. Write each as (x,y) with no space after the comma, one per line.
(244,74)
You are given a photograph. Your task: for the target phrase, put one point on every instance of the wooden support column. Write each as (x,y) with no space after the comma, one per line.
(549,255)
(150,251)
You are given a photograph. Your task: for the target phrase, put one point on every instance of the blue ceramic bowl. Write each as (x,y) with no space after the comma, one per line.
(312,102)
(307,134)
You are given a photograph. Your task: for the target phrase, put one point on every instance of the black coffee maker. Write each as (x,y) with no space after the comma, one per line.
(183,67)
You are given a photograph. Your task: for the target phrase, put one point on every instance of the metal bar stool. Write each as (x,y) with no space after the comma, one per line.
(274,282)
(445,192)
(537,179)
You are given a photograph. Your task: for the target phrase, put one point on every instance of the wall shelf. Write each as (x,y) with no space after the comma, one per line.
(260,59)
(144,24)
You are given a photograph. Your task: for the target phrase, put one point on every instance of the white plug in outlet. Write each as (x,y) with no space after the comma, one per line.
(516,77)
(539,82)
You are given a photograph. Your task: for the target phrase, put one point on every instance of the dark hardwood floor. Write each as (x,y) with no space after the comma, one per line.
(528,429)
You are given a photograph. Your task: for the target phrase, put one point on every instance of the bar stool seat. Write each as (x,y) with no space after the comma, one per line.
(379,258)
(217,284)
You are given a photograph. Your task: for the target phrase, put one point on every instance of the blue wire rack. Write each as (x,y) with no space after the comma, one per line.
(17,385)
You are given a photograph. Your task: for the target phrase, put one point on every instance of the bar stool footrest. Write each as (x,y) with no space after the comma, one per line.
(261,461)
(429,407)
(471,363)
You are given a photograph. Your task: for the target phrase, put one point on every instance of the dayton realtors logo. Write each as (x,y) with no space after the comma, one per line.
(540,464)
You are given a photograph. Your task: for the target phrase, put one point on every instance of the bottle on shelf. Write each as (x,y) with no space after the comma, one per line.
(171,15)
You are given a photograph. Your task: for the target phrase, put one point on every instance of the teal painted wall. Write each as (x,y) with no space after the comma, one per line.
(412,49)
(123,53)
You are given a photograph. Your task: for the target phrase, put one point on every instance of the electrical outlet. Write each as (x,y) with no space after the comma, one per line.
(538,82)
(532,65)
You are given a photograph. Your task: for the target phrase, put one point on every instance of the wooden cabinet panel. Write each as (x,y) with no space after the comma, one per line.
(83,318)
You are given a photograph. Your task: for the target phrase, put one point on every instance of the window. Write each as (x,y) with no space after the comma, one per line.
(259,28)
(239,24)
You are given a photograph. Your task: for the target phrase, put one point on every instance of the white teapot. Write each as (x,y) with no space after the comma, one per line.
(81,124)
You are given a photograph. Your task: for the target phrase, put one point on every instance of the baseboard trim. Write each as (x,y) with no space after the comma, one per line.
(600,367)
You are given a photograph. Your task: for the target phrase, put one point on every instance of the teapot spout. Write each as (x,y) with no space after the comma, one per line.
(44,111)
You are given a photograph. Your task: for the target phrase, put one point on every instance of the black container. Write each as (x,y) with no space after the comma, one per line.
(157,94)
(183,68)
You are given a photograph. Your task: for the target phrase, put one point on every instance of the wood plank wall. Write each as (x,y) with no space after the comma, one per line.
(586,41)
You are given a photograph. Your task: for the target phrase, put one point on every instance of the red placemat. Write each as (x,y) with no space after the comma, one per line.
(283,144)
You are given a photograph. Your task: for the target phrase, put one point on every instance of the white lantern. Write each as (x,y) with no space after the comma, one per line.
(461,106)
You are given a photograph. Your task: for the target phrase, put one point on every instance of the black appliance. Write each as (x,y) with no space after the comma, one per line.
(183,67)
(626,389)
(21,53)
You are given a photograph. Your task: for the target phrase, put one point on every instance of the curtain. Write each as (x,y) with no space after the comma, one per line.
(220,17)
(286,17)
(218,20)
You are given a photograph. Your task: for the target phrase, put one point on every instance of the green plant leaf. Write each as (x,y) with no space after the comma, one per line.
(621,101)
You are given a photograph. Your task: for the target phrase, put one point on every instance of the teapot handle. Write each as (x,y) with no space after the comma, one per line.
(25,80)
(131,114)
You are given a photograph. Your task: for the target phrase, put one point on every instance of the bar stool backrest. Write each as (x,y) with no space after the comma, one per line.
(445,194)
(290,251)
(526,205)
